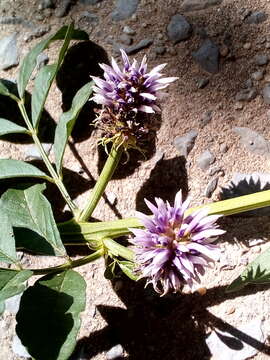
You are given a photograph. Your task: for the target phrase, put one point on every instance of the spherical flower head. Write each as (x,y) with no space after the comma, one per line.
(174,249)
(125,93)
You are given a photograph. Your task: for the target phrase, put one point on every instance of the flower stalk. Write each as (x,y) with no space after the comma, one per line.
(105,176)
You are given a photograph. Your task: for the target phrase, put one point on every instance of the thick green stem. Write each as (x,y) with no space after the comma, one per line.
(57,180)
(70,264)
(237,205)
(104,178)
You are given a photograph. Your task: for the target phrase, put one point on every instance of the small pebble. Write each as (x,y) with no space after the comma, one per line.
(267,45)
(230,310)
(205,159)
(247,46)
(201,291)
(239,106)
(214,170)
(160,50)
(224,50)
(246,94)
(202,83)
(211,187)
(261,60)
(205,119)
(128,30)
(223,148)
(115,352)
(257,75)
(125,39)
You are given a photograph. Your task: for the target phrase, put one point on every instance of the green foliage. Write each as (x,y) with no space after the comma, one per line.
(12,282)
(29,62)
(7,241)
(10,168)
(30,209)
(257,272)
(49,317)
(9,127)
(67,122)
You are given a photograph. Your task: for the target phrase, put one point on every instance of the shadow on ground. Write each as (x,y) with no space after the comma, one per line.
(167,177)
(81,61)
(171,328)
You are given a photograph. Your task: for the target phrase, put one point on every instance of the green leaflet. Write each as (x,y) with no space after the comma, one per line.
(8,127)
(257,272)
(45,79)
(43,82)
(49,317)
(67,122)
(12,282)
(7,241)
(31,210)
(10,168)
(29,62)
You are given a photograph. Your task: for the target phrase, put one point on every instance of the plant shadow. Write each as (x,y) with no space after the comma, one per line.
(245,185)
(153,327)
(81,61)
(167,177)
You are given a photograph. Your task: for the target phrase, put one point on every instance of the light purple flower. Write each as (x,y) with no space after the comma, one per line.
(174,249)
(131,88)
(128,96)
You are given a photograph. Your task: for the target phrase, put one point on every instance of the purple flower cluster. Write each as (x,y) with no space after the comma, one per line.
(174,249)
(125,94)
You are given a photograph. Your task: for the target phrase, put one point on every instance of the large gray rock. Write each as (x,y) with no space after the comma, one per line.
(89,2)
(192,5)
(124,9)
(207,56)
(205,160)
(178,29)
(246,94)
(184,144)
(19,349)
(9,55)
(266,94)
(256,17)
(133,49)
(115,352)
(253,141)
(226,345)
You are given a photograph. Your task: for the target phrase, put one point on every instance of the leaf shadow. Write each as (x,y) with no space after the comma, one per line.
(160,328)
(81,61)
(167,177)
(43,319)
(247,184)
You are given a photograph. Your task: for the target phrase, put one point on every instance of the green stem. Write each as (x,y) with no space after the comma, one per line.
(70,264)
(57,180)
(105,176)
(237,205)
(118,250)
